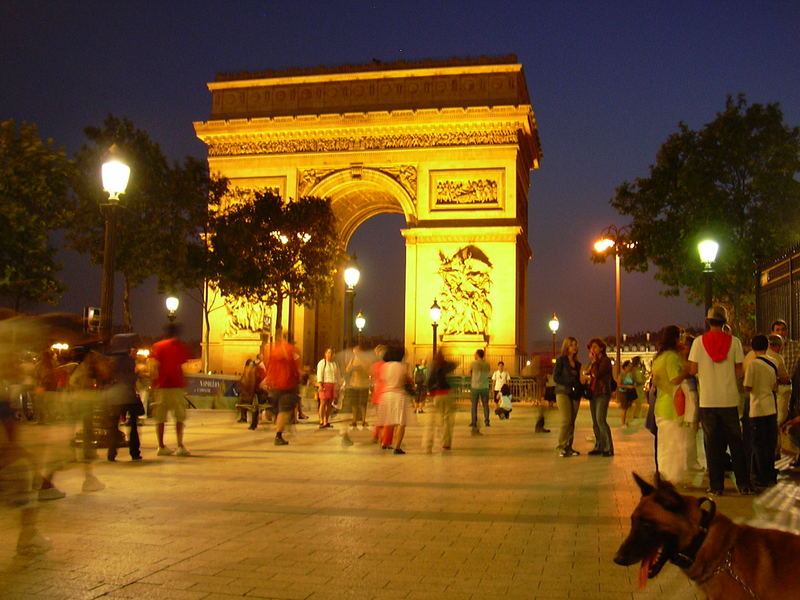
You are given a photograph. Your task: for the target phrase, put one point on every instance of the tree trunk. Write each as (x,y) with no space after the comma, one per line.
(208,326)
(279,313)
(126,305)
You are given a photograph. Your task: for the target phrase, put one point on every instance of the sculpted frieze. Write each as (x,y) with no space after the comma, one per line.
(466,284)
(405,175)
(310,143)
(471,191)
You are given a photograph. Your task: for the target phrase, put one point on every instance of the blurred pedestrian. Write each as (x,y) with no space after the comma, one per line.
(443,410)
(420,377)
(124,400)
(397,403)
(283,380)
(247,392)
(166,367)
(357,391)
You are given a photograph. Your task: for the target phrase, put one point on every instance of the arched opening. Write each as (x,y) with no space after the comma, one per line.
(380,294)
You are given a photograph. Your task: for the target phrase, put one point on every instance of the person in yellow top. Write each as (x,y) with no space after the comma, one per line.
(673,439)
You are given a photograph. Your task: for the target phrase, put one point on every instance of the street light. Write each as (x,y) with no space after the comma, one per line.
(361,321)
(172,307)
(553,325)
(115,175)
(708,254)
(614,237)
(351,277)
(436,314)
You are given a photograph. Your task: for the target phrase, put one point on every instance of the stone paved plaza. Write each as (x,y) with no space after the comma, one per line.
(499,516)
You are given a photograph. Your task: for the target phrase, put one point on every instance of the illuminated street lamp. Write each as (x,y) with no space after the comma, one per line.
(613,238)
(553,325)
(361,321)
(708,254)
(351,277)
(436,314)
(172,307)
(115,180)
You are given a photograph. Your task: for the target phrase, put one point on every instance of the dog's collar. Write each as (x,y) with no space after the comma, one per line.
(685,558)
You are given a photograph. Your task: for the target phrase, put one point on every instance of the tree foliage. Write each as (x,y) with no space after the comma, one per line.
(265,249)
(164,214)
(734,180)
(34,201)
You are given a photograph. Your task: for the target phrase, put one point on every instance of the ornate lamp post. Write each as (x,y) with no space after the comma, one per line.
(361,321)
(115,180)
(553,325)
(708,254)
(351,277)
(436,314)
(172,307)
(614,238)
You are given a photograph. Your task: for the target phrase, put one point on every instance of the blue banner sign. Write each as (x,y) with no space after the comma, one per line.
(198,384)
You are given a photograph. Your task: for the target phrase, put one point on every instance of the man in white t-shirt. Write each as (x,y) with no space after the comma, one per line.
(716,358)
(760,383)
(500,378)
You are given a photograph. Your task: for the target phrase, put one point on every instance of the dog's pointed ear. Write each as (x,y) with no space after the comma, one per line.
(646,488)
(668,495)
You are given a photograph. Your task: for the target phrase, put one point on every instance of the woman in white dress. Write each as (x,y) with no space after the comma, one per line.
(396,405)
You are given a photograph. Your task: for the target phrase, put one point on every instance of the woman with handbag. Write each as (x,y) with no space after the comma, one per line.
(569,389)
(673,438)
(600,385)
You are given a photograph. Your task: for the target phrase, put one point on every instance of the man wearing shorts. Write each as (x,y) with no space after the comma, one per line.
(167,358)
(283,380)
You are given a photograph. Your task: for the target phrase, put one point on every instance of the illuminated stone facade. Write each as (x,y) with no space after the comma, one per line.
(448,144)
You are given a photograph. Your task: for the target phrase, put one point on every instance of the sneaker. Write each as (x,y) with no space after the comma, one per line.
(164,451)
(564,453)
(93,484)
(182,451)
(279,441)
(595,452)
(748,491)
(573,452)
(51,493)
(399,451)
(32,542)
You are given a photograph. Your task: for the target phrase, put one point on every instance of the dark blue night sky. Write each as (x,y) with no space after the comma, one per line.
(609,82)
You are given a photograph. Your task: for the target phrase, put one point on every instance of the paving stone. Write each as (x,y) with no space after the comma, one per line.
(499,517)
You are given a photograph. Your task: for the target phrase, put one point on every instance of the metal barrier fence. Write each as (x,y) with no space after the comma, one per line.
(778,292)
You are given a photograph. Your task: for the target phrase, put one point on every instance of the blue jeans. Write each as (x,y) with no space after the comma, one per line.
(598,406)
(483,396)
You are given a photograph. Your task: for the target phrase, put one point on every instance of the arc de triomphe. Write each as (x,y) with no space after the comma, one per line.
(449,144)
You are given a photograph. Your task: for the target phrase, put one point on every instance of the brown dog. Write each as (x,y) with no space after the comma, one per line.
(727,561)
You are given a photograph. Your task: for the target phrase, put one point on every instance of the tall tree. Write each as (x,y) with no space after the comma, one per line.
(266,250)
(734,180)
(34,201)
(165,211)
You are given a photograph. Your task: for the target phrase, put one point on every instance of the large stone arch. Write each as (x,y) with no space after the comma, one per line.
(360,193)
(448,144)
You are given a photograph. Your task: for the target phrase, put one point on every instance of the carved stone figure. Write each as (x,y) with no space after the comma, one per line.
(245,316)
(465,295)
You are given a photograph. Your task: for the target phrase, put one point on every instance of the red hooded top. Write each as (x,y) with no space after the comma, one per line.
(717,344)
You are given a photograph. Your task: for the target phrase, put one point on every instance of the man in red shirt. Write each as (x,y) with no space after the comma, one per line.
(283,380)
(167,358)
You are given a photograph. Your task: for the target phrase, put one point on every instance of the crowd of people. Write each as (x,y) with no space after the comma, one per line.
(739,402)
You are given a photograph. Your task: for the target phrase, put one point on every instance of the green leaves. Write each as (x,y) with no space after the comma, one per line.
(733,180)
(34,200)
(265,250)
